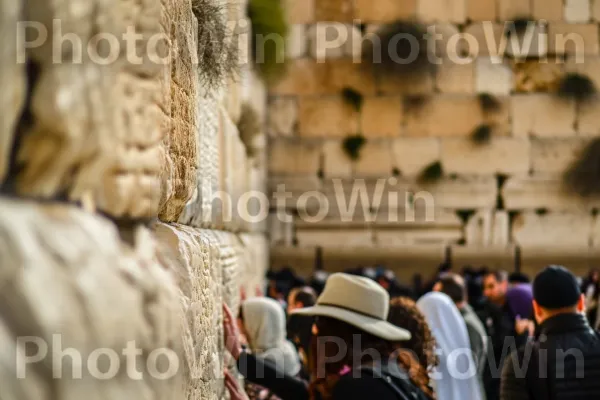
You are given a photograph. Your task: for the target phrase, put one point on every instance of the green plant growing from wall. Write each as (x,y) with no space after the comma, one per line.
(578,87)
(217,47)
(583,175)
(482,134)
(249,127)
(431,173)
(383,55)
(352,146)
(353,98)
(489,103)
(269,33)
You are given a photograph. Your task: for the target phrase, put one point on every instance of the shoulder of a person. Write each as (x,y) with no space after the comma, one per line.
(349,387)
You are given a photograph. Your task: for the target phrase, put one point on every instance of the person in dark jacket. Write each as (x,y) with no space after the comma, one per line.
(563,360)
(351,311)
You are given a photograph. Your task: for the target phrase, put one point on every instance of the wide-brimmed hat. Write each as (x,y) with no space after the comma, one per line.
(358,301)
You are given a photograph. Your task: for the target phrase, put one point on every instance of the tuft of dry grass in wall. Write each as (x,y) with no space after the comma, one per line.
(431,173)
(249,127)
(519,26)
(352,146)
(577,87)
(217,45)
(482,134)
(583,175)
(399,48)
(489,103)
(353,98)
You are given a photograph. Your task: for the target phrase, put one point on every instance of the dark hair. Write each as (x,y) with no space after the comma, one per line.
(499,275)
(454,286)
(306,297)
(518,277)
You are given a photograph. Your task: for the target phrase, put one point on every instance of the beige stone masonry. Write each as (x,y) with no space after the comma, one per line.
(300,11)
(456,78)
(573,39)
(442,10)
(486,38)
(488,228)
(296,45)
(343,73)
(334,10)
(334,238)
(302,258)
(336,163)
(596,10)
(446,41)
(493,76)
(375,159)
(292,157)
(463,192)
(283,116)
(382,116)
(500,257)
(12,81)
(411,155)
(538,75)
(532,43)
(482,10)
(588,119)
(326,117)
(550,10)
(568,229)
(384,10)
(542,115)
(590,67)
(554,156)
(542,192)
(281,230)
(444,228)
(304,76)
(512,9)
(391,84)
(330,40)
(577,11)
(579,259)
(438,116)
(501,155)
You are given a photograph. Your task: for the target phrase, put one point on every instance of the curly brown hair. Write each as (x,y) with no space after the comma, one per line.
(405,314)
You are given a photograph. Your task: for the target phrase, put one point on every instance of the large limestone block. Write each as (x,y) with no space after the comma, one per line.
(577,11)
(303,76)
(12,81)
(334,238)
(384,10)
(512,9)
(481,10)
(281,228)
(394,84)
(334,10)
(542,192)
(345,73)
(500,156)
(590,67)
(596,10)
(445,115)
(550,10)
(119,296)
(554,156)
(444,228)
(532,43)
(300,11)
(332,40)
(411,155)
(326,116)
(256,248)
(538,75)
(542,115)
(381,116)
(573,39)
(495,258)
(283,116)
(578,259)
(493,76)
(375,159)
(588,119)
(488,228)
(442,10)
(301,258)
(296,44)
(292,157)
(203,210)
(486,38)
(453,77)
(336,163)
(564,229)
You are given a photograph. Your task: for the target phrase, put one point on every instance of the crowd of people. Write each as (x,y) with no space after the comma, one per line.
(480,334)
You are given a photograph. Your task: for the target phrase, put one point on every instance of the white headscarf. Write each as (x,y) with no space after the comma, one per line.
(456,376)
(264,321)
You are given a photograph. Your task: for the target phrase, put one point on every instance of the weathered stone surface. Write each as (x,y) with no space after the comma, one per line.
(573,39)
(501,155)
(336,163)
(375,159)
(538,76)
(334,238)
(296,44)
(57,258)
(590,67)
(344,73)
(12,81)
(494,257)
(445,228)
(283,116)
(327,116)
(329,40)
(455,78)
(568,229)
(487,228)
(550,10)
(588,119)
(481,10)
(493,76)
(579,259)
(381,116)
(281,229)
(485,38)
(553,156)
(512,9)
(334,10)
(542,115)
(304,76)
(542,192)
(441,10)
(300,11)
(596,10)
(384,10)
(577,11)
(532,43)
(439,116)
(391,84)
(302,258)
(411,155)
(445,40)
(292,157)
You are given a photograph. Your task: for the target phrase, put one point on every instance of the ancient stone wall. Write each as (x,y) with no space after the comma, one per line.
(109,235)
(500,203)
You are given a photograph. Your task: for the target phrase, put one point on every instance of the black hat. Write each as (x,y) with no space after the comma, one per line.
(555,287)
